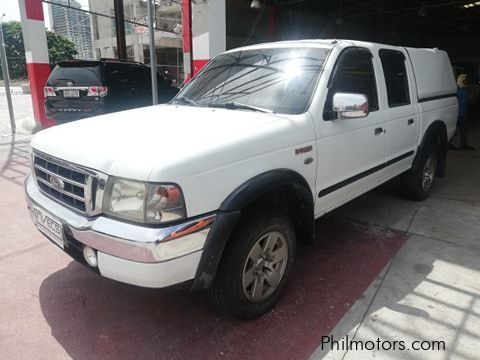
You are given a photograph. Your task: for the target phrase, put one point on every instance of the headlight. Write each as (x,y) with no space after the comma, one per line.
(143,202)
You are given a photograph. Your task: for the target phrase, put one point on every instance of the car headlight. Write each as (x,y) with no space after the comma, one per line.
(143,202)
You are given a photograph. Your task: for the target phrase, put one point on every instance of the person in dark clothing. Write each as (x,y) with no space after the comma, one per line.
(462,122)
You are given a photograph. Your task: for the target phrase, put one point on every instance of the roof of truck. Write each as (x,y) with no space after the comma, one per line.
(322,43)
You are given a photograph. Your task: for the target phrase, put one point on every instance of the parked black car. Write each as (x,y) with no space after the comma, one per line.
(81,88)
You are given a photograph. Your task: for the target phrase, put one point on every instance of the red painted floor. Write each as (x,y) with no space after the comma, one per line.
(50,302)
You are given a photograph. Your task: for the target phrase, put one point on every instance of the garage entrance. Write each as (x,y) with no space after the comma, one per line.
(450,25)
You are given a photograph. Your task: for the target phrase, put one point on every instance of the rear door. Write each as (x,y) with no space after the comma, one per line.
(142,90)
(403,121)
(351,152)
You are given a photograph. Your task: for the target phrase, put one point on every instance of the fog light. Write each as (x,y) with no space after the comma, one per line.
(90,256)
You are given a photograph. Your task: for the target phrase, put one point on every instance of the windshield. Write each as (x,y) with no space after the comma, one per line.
(277,80)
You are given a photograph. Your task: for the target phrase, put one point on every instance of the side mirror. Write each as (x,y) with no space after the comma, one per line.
(349,106)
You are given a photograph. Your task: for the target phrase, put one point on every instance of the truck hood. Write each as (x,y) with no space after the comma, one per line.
(164,138)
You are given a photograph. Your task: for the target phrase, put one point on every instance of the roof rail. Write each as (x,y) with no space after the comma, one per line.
(122,61)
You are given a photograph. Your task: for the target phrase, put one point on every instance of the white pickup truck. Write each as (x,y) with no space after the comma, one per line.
(214,189)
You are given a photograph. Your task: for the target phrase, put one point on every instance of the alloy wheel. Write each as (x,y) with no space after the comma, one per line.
(265,266)
(429,172)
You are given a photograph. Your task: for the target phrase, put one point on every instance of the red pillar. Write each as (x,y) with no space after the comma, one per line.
(187,38)
(36,53)
(204,31)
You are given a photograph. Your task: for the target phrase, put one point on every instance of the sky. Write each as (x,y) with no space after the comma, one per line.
(12,11)
(10,8)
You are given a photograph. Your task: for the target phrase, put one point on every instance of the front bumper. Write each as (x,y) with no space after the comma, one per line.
(139,255)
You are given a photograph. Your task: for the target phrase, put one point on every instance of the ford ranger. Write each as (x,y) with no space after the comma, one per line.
(214,189)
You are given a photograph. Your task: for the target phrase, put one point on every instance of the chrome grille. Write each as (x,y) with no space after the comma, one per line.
(65,183)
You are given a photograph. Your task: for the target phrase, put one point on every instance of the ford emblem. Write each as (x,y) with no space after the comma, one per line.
(56,182)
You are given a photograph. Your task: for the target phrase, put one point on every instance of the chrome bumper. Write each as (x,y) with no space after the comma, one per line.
(121,244)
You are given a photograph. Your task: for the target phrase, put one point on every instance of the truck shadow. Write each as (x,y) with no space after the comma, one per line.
(93,317)
(15,160)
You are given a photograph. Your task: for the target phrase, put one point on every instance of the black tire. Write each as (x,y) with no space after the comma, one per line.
(414,183)
(227,291)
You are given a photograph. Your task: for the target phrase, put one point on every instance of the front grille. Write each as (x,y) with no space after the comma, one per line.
(65,183)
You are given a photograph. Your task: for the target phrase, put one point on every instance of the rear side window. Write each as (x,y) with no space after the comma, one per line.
(117,75)
(139,76)
(353,73)
(394,69)
(78,76)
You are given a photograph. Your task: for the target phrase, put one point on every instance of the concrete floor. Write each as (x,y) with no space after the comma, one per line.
(22,105)
(431,289)
(383,268)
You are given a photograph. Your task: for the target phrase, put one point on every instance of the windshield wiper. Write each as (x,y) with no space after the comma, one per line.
(187,100)
(235,106)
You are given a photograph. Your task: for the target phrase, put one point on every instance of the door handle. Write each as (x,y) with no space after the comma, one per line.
(411,121)
(379,131)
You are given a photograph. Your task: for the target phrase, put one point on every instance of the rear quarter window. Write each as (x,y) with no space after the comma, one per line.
(139,76)
(117,75)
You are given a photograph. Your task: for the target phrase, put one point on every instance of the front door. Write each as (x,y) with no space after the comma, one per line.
(351,152)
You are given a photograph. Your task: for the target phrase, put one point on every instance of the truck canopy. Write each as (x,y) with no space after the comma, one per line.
(433,73)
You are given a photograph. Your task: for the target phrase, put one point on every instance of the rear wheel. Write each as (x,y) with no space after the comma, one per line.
(417,184)
(255,266)
(429,171)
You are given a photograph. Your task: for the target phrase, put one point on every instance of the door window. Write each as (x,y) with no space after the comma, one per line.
(353,73)
(116,76)
(139,76)
(393,64)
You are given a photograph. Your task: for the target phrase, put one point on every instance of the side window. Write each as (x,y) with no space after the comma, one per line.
(116,75)
(138,76)
(162,80)
(161,83)
(353,73)
(394,69)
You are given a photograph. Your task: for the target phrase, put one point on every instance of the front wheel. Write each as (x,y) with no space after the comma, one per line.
(255,266)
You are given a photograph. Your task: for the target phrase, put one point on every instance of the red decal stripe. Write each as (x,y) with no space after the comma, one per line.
(34,9)
(38,75)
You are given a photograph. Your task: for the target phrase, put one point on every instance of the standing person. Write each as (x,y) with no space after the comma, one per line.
(462,122)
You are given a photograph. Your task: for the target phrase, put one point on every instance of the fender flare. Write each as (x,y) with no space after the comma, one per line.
(231,209)
(436,128)
(241,197)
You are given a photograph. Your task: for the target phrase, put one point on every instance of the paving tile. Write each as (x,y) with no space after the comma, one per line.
(430,292)
(447,225)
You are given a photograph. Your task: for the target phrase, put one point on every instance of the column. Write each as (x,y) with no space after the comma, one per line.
(209,32)
(36,52)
